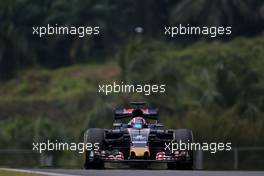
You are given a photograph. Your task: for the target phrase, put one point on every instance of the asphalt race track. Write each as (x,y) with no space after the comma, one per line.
(156,173)
(125,172)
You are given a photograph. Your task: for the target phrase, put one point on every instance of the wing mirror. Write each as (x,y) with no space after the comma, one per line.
(116,125)
(156,125)
(159,125)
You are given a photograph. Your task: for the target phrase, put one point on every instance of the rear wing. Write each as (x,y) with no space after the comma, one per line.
(148,113)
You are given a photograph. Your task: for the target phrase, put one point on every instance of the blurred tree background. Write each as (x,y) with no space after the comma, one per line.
(49,85)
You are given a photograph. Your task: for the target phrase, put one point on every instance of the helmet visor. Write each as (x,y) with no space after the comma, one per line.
(137,125)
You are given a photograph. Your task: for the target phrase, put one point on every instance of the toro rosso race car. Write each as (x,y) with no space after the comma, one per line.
(137,140)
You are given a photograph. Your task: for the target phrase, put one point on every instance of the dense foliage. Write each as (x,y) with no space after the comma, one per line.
(117,19)
(209,85)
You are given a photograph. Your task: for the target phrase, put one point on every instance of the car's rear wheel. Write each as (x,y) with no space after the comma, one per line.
(93,136)
(185,136)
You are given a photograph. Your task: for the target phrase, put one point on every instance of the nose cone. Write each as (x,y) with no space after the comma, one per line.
(139,151)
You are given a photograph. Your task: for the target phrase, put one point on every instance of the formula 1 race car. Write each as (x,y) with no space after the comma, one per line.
(138,140)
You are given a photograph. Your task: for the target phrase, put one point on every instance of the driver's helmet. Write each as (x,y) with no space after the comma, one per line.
(137,122)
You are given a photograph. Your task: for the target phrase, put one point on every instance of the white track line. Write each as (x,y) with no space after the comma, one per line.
(36,172)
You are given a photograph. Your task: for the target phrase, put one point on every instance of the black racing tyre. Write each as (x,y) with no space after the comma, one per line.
(185,136)
(94,135)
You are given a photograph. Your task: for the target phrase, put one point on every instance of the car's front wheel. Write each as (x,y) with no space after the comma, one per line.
(183,136)
(95,136)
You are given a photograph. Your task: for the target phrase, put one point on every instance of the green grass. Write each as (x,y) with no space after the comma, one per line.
(46,85)
(13,173)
